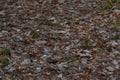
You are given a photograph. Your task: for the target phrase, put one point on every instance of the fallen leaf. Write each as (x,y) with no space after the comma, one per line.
(85,75)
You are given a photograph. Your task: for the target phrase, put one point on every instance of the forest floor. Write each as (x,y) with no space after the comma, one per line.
(59,40)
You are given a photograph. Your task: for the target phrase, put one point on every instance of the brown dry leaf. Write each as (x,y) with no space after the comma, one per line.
(28,74)
(46,73)
(9,34)
(85,75)
(8,78)
(54,1)
(118,16)
(89,69)
(41,62)
(62,12)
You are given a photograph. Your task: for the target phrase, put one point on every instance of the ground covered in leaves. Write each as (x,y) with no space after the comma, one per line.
(59,40)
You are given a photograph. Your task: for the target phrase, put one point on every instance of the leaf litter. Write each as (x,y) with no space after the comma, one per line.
(60,40)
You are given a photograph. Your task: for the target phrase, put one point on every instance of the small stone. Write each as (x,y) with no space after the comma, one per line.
(38,69)
(44,57)
(62,65)
(25,61)
(87,51)
(114,43)
(2,12)
(68,48)
(19,38)
(40,42)
(84,61)
(46,51)
(12,69)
